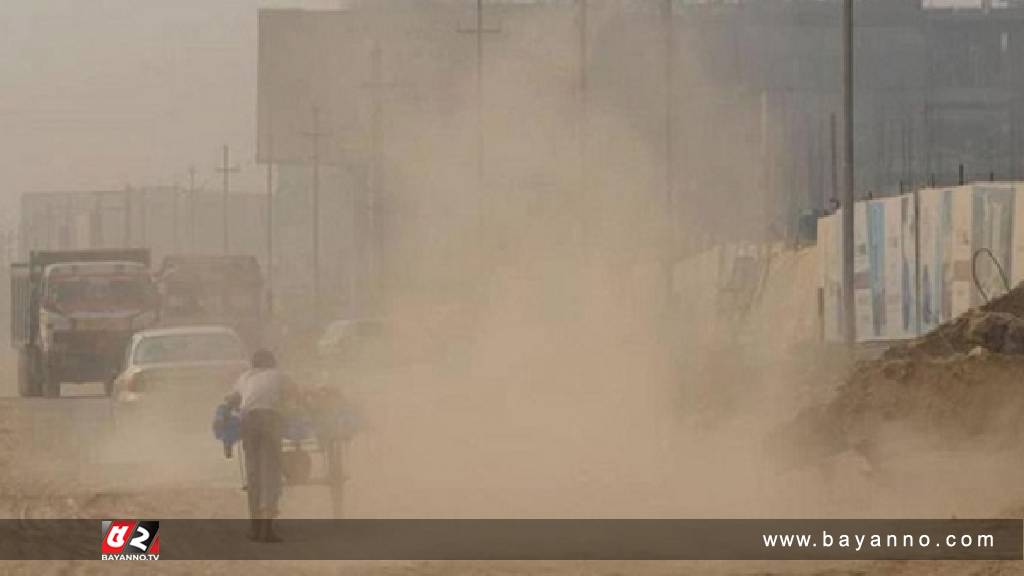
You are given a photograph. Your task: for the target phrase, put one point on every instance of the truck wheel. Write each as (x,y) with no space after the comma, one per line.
(27,383)
(50,382)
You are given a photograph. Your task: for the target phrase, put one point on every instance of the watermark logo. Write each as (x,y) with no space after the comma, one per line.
(130,540)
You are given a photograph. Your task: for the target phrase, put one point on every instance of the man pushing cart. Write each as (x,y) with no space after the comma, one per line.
(279,428)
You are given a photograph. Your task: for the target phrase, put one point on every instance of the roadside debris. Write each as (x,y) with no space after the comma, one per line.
(961,383)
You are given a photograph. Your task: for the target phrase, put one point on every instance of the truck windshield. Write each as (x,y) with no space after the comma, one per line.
(97,294)
(210,301)
(189,348)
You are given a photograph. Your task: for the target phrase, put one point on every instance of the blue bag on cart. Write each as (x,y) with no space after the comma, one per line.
(227,427)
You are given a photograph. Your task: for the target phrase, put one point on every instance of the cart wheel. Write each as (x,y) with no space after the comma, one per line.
(296,466)
(334,454)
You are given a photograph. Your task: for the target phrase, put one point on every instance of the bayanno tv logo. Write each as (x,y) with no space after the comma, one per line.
(130,540)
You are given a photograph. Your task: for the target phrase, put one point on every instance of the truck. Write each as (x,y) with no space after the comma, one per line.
(73,314)
(225,290)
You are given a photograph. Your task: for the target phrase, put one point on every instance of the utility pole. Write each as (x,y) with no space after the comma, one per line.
(669,108)
(226,170)
(270,222)
(479,31)
(314,136)
(375,132)
(175,192)
(66,240)
(670,230)
(144,201)
(192,207)
(376,85)
(95,221)
(849,318)
(127,218)
(583,206)
(834,144)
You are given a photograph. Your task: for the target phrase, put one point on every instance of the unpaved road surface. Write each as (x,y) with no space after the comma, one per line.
(65,459)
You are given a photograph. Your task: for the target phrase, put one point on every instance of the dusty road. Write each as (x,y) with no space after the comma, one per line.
(64,459)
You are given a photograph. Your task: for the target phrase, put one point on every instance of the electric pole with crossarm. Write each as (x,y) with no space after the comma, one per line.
(315,135)
(226,170)
(479,31)
(377,85)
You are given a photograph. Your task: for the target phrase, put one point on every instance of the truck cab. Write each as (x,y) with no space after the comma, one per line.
(74,312)
(204,289)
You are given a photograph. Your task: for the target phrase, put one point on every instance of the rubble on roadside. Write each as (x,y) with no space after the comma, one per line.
(961,383)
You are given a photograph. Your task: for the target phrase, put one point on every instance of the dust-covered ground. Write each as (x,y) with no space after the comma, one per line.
(55,469)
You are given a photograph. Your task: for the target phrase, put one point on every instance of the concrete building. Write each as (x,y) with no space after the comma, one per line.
(934,88)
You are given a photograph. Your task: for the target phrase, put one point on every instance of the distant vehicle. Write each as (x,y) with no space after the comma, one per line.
(72,313)
(223,290)
(194,362)
(344,339)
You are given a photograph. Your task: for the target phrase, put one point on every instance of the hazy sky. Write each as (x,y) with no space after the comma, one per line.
(97,94)
(102,93)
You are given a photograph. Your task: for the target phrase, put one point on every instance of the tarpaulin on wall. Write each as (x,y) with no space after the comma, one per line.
(919,256)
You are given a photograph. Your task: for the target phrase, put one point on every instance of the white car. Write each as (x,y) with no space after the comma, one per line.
(198,363)
(163,401)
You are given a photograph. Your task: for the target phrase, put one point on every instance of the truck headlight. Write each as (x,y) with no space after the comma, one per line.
(56,322)
(143,320)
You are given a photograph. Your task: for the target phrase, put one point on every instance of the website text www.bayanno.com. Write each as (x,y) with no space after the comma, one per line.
(858,542)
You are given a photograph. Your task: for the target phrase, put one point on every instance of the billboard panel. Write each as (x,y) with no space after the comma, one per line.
(307,60)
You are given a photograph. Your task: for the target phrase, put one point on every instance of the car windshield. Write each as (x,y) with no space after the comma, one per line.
(219,347)
(97,294)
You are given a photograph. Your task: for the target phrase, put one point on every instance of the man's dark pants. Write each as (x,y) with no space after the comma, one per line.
(261,441)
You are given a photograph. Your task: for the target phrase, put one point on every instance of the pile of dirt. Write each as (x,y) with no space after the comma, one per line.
(962,383)
(997,327)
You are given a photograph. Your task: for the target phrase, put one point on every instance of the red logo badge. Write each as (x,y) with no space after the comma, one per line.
(130,540)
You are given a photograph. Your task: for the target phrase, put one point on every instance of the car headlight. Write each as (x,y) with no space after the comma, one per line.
(129,396)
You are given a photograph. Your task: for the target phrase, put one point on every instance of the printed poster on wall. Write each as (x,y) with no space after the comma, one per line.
(936,256)
(908,267)
(991,240)
(962,285)
(862,281)
(877,269)
(899,277)
(830,252)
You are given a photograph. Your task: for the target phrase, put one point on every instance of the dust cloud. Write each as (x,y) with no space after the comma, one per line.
(563,378)
(557,345)
(577,369)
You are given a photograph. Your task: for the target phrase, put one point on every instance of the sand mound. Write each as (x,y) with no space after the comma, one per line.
(962,383)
